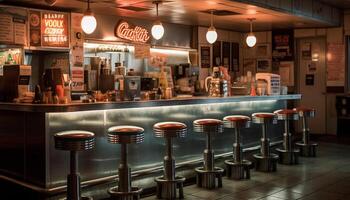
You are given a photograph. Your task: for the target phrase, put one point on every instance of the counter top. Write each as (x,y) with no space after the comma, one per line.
(73,107)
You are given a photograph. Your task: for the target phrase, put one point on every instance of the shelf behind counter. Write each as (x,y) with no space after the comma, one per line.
(78,106)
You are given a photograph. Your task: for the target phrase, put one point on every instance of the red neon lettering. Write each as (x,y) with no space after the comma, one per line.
(137,34)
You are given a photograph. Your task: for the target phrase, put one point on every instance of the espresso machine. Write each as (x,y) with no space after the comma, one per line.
(216,85)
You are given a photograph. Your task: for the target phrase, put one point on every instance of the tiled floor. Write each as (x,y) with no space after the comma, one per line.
(321,178)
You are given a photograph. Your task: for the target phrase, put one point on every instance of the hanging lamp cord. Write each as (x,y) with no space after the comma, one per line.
(88,1)
(211,18)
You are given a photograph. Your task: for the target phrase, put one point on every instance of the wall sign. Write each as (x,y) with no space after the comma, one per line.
(131,33)
(282,45)
(54,29)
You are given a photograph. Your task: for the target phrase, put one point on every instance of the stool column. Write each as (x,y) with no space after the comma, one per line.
(306,134)
(287,136)
(265,142)
(124,170)
(73,186)
(237,149)
(208,155)
(169,161)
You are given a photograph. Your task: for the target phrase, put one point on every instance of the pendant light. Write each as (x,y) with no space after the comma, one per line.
(211,33)
(251,39)
(88,23)
(157,28)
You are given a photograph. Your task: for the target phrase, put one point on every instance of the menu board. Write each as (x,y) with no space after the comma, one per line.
(6,31)
(77,78)
(13,26)
(282,45)
(142,51)
(54,29)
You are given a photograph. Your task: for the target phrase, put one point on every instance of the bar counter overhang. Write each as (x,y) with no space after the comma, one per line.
(30,159)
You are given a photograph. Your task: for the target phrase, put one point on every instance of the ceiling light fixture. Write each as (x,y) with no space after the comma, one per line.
(88,23)
(251,39)
(157,28)
(211,33)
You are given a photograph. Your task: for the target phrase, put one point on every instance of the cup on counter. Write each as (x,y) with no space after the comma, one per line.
(284,90)
(261,91)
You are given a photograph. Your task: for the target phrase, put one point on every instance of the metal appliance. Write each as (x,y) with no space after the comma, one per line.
(132,87)
(216,85)
(273,82)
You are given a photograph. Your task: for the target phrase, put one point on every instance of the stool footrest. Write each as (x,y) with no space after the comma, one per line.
(266,163)
(307,150)
(209,179)
(288,157)
(238,170)
(134,194)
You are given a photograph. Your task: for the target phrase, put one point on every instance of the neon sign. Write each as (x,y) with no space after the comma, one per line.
(132,33)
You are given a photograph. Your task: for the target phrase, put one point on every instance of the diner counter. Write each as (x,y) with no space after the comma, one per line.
(30,158)
(78,106)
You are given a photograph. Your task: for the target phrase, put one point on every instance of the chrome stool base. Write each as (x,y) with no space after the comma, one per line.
(209,179)
(307,150)
(266,164)
(167,189)
(238,170)
(134,194)
(288,157)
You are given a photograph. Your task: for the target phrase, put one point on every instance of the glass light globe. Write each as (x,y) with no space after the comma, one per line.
(251,40)
(211,35)
(88,23)
(157,30)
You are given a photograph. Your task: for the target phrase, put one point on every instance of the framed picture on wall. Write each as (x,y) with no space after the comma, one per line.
(263,65)
(263,51)
(205,56)
(234,57)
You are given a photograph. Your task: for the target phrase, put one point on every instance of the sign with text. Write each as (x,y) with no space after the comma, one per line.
(54,29)
(131,33)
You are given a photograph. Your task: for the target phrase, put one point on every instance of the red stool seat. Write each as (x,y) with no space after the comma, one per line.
(170,129)
(237,121)
(261,118)
(125,134)
(208,125)
(287,114)
(305,112)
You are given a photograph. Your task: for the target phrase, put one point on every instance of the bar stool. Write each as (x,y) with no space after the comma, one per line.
(74,141)
(168,183)
(287,155)
(265,161)
(208,176)
(125,135)
(307,148)
(238,168)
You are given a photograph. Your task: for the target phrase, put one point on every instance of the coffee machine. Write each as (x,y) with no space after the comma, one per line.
(14,81)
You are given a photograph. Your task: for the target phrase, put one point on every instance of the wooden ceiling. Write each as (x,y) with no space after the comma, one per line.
(189,12)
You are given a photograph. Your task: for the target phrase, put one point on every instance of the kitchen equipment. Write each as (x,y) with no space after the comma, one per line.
(273,82)
(216,85)
(132,87)
(14,81)
(148,84)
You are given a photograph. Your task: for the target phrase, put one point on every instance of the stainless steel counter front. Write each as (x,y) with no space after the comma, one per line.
(27,144)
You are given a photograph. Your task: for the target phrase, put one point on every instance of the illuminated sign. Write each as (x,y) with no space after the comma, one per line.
(132,33)
(54,29)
